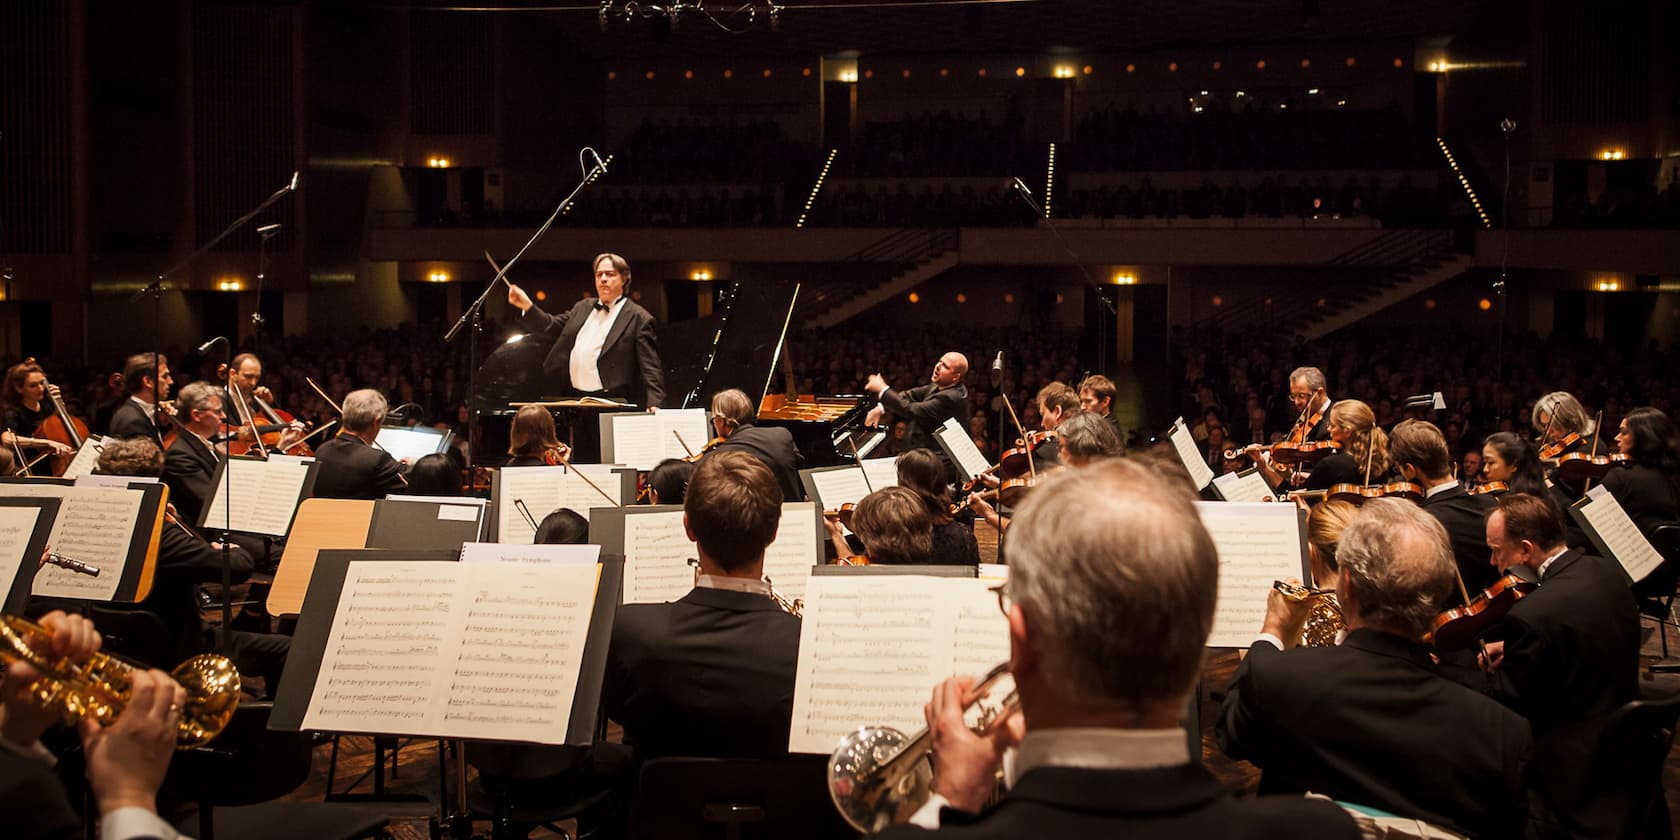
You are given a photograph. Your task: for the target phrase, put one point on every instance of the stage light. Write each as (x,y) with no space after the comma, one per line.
(915,298)
(1125,278)
(1484,304)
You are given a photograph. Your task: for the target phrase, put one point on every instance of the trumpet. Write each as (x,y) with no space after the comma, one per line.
(794,607)
(879,777)
(99,686)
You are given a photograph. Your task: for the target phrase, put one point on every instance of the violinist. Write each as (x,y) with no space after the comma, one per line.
(147,380)
(1564,427)
(28,402)
(893,526)
(732,423)
(1086,437)
(1509,460)
(532,441)
(1364,449)
(921,472)
(350,466)
(1057,403)
(1565,656)
(1420,450)
(1648,487)
(667,484)
(1309,397)
(1355,721)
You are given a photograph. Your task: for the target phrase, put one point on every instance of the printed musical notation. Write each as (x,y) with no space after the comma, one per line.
(656,554)
(643,440)
(546,489)
(871,649)
(472,650)
(1615,533)
(1189,454)
(1258,543)
(95,525)
(86,458)
(17,525)
(798,547)
(257,497)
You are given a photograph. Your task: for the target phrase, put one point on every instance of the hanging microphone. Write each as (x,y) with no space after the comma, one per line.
(1023,188)
(207,345)
(997,370)
(269,230)
(599,163)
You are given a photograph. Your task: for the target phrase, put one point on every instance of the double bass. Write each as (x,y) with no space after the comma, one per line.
(61,426)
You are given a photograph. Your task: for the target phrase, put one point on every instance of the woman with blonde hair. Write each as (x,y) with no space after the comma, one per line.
(1363,458)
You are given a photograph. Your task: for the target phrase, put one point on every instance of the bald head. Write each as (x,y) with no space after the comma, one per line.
(950,370)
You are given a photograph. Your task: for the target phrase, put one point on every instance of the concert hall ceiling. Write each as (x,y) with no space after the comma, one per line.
(808,27)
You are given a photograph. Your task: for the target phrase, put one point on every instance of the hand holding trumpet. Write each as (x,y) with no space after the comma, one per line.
(965,764)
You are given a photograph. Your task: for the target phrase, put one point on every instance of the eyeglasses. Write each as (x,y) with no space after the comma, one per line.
(1005,601)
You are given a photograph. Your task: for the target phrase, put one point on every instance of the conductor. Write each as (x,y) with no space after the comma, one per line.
(605,345)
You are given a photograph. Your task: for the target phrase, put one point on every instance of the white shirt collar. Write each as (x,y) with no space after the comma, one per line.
(150,407)
(1099,749)
(757,586)
(1440,488)
(1552,559)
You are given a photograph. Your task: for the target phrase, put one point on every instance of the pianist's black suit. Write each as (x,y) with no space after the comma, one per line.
(708,675)
(927,407)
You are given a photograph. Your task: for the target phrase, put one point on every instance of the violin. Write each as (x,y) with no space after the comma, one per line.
(556,455)
(1285,452)
(1460,627)
(843,515)
(1551,451)
(1489,487)
(1018,459)
(1578,466)
(1359,493)
(710,445)
(1009,493)
(854,560)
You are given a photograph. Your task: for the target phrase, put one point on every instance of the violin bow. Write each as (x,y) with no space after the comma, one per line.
(684,443)
(579,473)
(858,459)
(1031,467)
(1598,429)
(243,411)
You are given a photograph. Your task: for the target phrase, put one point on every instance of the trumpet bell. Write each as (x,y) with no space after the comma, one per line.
(212,684)
(868,798)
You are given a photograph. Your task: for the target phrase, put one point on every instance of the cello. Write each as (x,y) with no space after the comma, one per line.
(62,427)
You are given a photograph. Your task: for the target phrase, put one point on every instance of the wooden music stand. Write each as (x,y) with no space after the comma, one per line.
(320,524)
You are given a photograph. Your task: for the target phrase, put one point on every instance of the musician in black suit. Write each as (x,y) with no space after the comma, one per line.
(126,760)
(605,345)
(146,377)
(190,464)
(732,420)
(1565,657)
(1648,488)
(712,673)
(1109,601)
(350,466)
(926,407)
(1420,451)
(1356,721)
(1310,396)
(1556,417)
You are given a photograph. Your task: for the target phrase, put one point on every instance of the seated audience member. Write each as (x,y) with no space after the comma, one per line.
(1564,657)
(126,761)
(562,527)
(667,484)
(1648,487)
(732,419)
(433,475)
(350,466)
(892,527)
(712,673)
(531,438)
(1086,437)
(1420,452)
(186,560)
(922,472)
(1355,721)
(1470,466)
(1110,600)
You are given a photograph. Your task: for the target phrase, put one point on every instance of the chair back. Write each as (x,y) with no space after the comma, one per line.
(1657,589)
(247,764)
(735,799)
(1626,766)
(136,634)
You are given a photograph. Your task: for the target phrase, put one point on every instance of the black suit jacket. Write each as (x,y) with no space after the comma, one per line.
(1465,518)
(1645,493)
(1372,722)
(132,421)
(773,446)
(927,409)
(708,675)
(35,801)
(351,469)
(184,561)
(1571,658)
(629,362)
(189,468)
(1168,803)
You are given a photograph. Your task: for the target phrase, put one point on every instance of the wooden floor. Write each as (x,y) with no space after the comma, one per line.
(418,773)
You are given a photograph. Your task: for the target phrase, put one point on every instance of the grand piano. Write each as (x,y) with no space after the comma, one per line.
(743,344)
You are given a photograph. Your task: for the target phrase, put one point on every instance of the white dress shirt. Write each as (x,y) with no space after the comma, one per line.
(591,339)
(756,586)
(1440,488)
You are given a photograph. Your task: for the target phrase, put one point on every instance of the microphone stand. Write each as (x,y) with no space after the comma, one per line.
(1102,324)
(475,312)
(264,234)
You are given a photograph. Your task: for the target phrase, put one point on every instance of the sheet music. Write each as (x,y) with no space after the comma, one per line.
(872,648)
(1622,539)
(797,547)
(1258,544)
(838,487)
(962,449)
(86,458)
(643,440)
(1189,454)
(576,493)
(882,472)
(257,497)
(97,480)
(1245,486)
(459,650)
(482,552)
(17,525)
(656,554)
(546,489)
(95,525)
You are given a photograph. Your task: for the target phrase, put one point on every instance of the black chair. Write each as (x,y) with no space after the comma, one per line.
(735,799)
(135,634)
(1656,592)
(1623,775)
(537,785)
(237,777)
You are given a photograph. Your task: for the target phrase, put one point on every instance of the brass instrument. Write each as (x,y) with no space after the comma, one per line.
(794,607)
(99,686)
(879,777)
(1324,622)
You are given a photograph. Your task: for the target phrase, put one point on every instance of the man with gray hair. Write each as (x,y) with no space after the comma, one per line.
(1110,601)
(351,466)
(1371,721)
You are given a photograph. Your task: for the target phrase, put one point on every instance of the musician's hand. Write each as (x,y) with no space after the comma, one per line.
(834,528)
(1495,654)
(876,384)
(990,480)
(517,298)
(60,448)
(290,437)
(653,409)
(52,391)
(168,408)
(873,418)
(126,761)
(261,392)
(1284,617)
(24,719)
(965,765)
